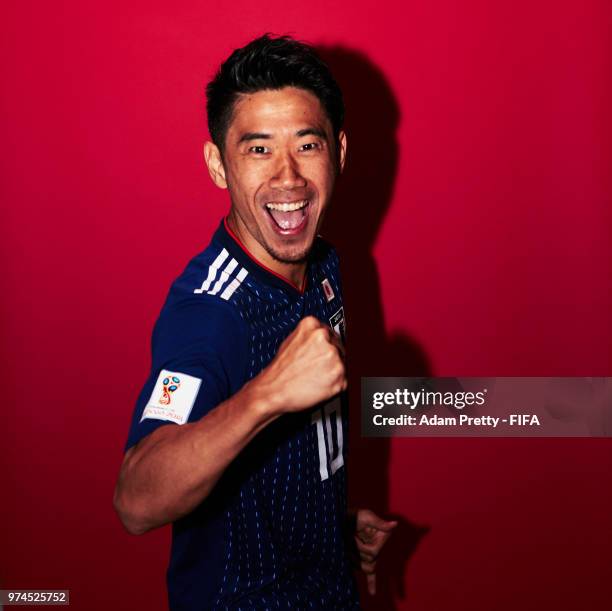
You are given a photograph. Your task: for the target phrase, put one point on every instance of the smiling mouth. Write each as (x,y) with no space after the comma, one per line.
(288,217)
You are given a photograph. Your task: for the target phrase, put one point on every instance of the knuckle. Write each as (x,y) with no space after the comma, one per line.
(339,369)
(320,335)
(303,325)
(310,322)
(367,546)
(368,567)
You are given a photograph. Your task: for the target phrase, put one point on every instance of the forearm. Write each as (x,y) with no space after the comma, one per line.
(178,466)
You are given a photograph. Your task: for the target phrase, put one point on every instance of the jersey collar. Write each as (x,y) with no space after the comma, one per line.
(225,236)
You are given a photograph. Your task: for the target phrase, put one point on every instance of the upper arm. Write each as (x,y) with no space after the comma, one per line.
(198,361)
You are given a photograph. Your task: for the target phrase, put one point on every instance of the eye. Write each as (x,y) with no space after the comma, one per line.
(310,146)
(259,150)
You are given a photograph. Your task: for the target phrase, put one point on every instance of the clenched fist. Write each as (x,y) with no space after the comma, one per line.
(307,369)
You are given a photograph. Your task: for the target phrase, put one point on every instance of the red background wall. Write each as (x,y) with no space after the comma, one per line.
(474,224)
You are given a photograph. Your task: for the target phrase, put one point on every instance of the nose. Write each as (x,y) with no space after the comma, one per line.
(287,174)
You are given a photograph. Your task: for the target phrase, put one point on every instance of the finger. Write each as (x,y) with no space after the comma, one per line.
(372,520)
(385,526)
(361,539)
(309,322)
(371,579)
(366,534)
(366,557)
(368,567)
(335,339)
(367,548)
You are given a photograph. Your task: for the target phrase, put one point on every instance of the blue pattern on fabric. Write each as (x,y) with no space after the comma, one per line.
(271,535)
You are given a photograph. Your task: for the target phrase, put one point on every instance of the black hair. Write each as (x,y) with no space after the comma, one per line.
(270,63)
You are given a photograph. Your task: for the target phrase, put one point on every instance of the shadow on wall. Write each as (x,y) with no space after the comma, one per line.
(361,201)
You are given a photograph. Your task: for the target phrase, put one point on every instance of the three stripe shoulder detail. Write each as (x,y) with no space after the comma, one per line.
(219,280)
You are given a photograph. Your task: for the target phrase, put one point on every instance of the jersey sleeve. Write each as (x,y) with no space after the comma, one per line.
(199,349)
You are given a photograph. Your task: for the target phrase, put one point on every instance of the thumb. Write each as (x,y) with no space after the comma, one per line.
(379,523)
(371,579)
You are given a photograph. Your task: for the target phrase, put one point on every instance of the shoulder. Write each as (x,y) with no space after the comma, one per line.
(213,275)
(202,301)
(324,259)
(323,252)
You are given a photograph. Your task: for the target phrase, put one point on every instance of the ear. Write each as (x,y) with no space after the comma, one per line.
(342,151)
(214,163)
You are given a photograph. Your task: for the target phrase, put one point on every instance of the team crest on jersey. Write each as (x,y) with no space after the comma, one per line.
(173,397)
(337,323)
(327,289)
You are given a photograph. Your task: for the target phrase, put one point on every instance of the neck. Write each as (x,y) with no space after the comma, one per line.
(294,273)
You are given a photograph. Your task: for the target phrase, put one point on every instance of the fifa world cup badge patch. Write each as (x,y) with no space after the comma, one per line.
(327,289)
(173,397)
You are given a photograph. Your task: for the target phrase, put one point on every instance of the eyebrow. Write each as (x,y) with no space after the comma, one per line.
(309,131)
(248,136)
(312,131)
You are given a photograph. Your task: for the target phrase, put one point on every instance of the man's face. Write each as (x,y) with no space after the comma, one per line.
(279,164)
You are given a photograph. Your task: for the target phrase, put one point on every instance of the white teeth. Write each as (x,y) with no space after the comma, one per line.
(287,207)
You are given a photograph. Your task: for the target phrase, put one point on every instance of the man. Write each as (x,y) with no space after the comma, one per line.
(248,362)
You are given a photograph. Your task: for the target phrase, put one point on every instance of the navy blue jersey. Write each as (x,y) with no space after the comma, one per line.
(272,532)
